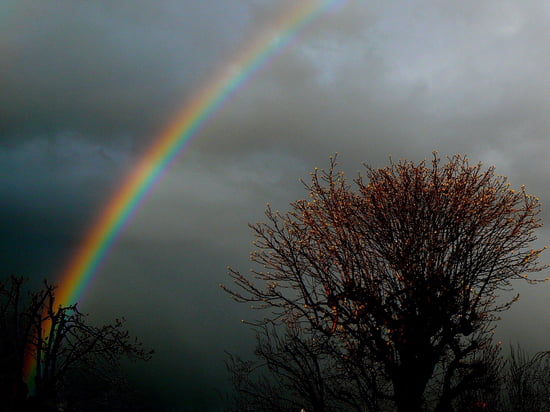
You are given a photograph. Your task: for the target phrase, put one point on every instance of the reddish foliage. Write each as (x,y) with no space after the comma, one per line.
(405,269)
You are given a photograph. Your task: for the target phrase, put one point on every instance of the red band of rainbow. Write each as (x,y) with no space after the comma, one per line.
(169,143)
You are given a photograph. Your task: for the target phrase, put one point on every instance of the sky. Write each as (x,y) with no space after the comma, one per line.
(87,86)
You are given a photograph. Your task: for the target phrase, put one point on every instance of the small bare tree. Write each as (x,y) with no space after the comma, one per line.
(405,270)
(58,340)
(527,381)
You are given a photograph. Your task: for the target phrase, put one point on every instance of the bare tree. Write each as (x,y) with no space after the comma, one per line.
(295,369)
(405,270)
(60,342)
(527,381)
(15,327)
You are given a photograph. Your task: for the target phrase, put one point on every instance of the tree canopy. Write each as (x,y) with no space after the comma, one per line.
(404,269)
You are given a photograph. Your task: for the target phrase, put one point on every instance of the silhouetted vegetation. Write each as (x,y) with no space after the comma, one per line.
(76,365)
(385,296)
(517,382)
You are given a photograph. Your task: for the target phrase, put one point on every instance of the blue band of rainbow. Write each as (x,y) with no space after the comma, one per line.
(171,142)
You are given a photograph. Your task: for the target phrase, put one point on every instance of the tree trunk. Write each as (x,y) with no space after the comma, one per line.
(409,384)
(408,394)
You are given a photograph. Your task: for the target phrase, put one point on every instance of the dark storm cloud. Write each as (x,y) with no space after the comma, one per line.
(50,190)
(106,69)
(87,85)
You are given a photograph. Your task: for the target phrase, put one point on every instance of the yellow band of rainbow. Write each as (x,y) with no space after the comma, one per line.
(169,143)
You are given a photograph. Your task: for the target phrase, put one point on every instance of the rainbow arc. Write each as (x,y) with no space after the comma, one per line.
(172,140)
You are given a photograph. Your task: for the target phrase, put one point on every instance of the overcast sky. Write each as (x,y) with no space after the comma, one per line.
(85,86)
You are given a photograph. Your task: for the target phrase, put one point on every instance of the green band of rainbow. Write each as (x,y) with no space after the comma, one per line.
(168,144)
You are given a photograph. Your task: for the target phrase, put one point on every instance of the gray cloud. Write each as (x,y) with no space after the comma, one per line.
(107,69)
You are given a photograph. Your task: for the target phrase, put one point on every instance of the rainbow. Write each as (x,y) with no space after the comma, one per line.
(171,142)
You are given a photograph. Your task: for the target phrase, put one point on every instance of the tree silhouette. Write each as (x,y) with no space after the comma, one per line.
(527,381)
(405,270)
(294,370)
(60,343)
